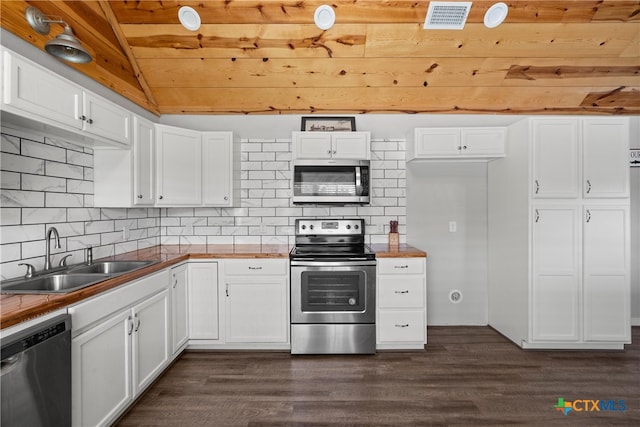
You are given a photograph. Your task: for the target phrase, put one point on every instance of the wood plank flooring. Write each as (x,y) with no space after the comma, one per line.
(466,376)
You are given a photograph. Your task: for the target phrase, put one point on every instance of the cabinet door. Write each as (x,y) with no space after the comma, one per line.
(217,168)
(606,274)
(203,300)
(179,166)
(438,142)
(106,119)
(179,300)
(483,142)
(350,145)
(144,171)
(555,158)
(40,92)
(256,310)
(556,274)
(606,157)
(150,339)
(312,145)
(101,371)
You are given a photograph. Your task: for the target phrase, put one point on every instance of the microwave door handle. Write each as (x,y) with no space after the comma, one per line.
(358,181)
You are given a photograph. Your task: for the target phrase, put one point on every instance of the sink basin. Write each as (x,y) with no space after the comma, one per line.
(109,267)
(54,283)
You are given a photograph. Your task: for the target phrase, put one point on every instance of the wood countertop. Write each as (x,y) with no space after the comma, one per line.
(17,308)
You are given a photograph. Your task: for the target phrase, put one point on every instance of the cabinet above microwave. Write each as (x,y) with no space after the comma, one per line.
(331,145)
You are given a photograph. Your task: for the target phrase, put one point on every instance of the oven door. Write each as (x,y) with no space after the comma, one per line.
(333,292)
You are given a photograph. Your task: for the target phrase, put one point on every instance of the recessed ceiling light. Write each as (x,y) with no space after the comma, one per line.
(495,15)
(324,17)
(189,18)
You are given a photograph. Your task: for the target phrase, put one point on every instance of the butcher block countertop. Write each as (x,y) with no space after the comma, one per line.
(17,308)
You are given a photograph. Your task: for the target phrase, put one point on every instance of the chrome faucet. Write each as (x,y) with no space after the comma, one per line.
(47,256)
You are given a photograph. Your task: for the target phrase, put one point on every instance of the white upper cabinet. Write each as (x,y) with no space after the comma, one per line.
(605,157)
(144,149)
(218,169)
(39,93)
(576,157)
(556,158)
(105,119)
(332,145)
(179,166)
(458,143)
(37,98)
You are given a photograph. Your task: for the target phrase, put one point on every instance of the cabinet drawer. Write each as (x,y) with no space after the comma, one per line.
(405,293)
(256,267)
(401,265)
(401,326)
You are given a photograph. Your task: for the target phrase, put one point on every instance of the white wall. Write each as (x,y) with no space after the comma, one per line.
(438,193)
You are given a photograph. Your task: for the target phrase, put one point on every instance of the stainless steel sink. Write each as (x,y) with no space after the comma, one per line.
(72,278)
(109,267)
(54,283)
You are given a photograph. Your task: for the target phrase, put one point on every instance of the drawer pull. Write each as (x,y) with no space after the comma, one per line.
(138,322)
(255,268)
(406,325)
(130,325)
(400,266)
(402,292)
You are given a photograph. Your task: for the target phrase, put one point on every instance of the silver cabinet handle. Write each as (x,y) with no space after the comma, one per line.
(537,215)
(161,197)
(175,283)
(588,215)
(90,121)
(255,268)
(401,292)
(82,117)
(130,325)
(405,325)
(226,197)
(139,196)
(459,147)
(588,186)
(464,147)
(226,289)
(334,151)
(138,322)
(537,186)
(400,266)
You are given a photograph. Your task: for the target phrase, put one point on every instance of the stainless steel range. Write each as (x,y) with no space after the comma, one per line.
(333,279)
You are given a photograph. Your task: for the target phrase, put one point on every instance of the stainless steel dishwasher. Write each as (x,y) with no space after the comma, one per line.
(35,375)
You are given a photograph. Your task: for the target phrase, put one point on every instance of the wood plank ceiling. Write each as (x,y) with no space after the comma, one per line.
(268,57)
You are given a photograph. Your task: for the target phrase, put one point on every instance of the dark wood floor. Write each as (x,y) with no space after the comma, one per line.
(466,376)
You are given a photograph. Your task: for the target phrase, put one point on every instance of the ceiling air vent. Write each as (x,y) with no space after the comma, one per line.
(447,15)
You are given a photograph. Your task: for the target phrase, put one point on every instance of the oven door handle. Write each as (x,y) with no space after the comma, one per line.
(352,262)
(358,182)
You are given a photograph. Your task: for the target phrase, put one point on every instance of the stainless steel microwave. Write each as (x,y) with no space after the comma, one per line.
(331,181)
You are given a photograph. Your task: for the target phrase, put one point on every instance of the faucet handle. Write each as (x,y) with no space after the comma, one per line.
(31,270)
(88,255)
(63,261)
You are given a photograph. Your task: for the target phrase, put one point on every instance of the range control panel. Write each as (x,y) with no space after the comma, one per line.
(329,227)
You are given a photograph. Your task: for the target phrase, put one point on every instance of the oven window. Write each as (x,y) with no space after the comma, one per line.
(333,291)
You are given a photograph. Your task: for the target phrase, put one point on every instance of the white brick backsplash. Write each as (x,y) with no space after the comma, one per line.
(43,215)
(43,183)
(42,151)
(16,163)
(10,216)
(64,170)
(10,180)
(265,214)
(21,233)
(10,252)
(10,144)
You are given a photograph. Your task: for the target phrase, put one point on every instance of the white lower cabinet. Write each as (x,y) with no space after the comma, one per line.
(179,304)
(120,344)
(203,301)
(401,303)
(256,301)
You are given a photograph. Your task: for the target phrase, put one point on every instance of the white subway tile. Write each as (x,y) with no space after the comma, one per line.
(206,231)
(43,183)
(10,144)
(83,214)
(21,233)
(219,240)
(193,240)
(262,211)
(179,211)
(80,159)
(17,199)
(63,170)
(262,175)
(43,215)
(63,200)
(247,240)
(193,220)
(275,203)
(15,163)
(10,180)
(79,186)
(43,151)
(113,213)
(222,220)
(10,252)
(9,216)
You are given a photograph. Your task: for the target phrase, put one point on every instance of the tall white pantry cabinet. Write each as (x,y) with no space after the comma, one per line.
(559,240)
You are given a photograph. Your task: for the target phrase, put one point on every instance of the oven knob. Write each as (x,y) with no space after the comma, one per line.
(311,227)
(356,226)
(348,227)
(303,227)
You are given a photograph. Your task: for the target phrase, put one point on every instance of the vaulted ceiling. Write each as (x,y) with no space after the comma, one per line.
(268,57)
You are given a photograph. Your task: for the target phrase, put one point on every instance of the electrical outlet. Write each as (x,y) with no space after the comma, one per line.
(453,226)
(125,233)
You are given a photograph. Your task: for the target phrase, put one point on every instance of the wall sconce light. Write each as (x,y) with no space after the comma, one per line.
(65,46)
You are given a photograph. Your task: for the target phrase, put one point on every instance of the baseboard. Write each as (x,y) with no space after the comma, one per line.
(635,321)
